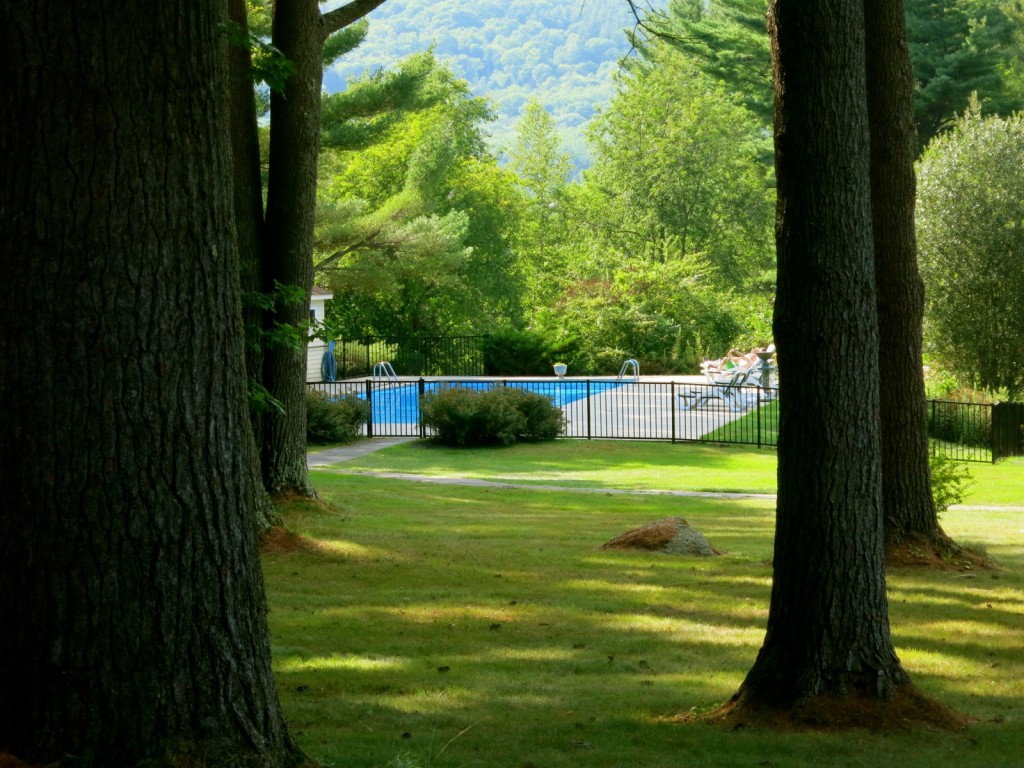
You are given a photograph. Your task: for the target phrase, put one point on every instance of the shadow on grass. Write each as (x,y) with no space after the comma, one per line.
(467,626)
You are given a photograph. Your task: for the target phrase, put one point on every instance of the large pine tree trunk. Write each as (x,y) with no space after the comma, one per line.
(906,487)
(132,602)
(288,259)
(299,33)
(248,201)
(828,628)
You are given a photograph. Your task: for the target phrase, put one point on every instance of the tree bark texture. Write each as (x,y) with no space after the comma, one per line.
(906,484)
(132,604)
(299,33)
(288,259)
(248,202)
(828,629)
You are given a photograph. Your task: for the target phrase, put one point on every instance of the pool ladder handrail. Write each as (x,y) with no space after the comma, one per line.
(631,363)
(383,371)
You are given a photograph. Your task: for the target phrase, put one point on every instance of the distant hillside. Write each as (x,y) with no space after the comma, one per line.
(564,52)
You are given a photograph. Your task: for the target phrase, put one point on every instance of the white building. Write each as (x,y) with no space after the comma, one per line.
(315,352)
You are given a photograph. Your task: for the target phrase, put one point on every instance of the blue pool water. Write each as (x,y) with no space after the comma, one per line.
(400,405)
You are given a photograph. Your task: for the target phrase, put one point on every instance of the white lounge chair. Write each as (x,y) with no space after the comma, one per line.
(726,386)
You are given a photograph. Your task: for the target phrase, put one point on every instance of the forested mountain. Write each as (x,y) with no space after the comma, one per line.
(563,53)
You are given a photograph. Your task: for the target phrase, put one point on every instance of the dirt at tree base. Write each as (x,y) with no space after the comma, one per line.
(907,709)
(281,540)
(938,552)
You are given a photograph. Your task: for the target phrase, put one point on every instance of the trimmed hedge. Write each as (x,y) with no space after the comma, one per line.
(338,420)
(509,352)
(463,416)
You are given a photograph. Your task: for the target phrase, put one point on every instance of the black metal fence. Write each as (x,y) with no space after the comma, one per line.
(411,355)
(594,408)
(976,431)
(677,411)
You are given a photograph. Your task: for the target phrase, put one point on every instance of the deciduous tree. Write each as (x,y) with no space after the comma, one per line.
(972,253)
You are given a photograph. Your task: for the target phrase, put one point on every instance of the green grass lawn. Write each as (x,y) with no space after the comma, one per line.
(641,465)
(587,463)
(436,625)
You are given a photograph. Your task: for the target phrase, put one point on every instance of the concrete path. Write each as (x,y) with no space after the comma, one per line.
(352,450)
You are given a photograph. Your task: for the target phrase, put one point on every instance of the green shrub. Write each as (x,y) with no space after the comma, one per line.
(508,352)
(334,420)
(950,481)
(463,416)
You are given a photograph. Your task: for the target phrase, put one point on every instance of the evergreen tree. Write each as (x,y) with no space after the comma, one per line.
(959,48)
(396,240)
(911,519)
(827,638)
(542,169)
(132,607)
(301,33)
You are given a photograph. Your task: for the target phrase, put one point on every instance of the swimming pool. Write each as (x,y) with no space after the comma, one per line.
(400,404)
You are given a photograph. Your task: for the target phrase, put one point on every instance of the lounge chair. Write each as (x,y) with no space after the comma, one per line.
(726,386)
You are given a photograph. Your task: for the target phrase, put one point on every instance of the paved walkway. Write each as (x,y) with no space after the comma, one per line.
(352,450)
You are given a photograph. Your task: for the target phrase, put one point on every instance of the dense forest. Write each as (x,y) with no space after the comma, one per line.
(508,167)
(564,54)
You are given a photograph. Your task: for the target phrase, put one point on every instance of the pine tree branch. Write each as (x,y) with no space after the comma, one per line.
(351,12)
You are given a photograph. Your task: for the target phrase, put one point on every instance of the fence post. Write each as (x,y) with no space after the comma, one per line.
(759,391)
(588,409)
(369,399)
(672,407)
(422,390)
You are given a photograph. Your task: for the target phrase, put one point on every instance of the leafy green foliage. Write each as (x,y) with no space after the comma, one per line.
(957,48)
(511,352)
(260,399)
(970,223)
(358,116)
(678,164)
(538,159)
(663,314)
(344,41)
(950,480)
(334,420)
(662,252)
(463,416)
(270,67)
